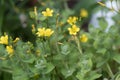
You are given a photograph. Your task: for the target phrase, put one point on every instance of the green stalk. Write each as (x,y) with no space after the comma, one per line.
(6,70)
(78,45)
(109,71)
(47,23)
(65,4)
(56,34)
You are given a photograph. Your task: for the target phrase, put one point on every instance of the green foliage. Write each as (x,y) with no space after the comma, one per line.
(60,56)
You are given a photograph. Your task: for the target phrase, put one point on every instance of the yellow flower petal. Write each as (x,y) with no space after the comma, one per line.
(44,32)
(48,12)
(73,30)
(16,40)
(48,32)
(72,20)
(40,32)
(10,50)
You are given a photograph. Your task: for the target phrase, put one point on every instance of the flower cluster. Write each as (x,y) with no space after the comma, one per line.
(42,32)
(72,20)
(9,48)
(75,29)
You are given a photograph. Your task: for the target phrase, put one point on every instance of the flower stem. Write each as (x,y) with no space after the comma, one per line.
(47,23)
(78,45)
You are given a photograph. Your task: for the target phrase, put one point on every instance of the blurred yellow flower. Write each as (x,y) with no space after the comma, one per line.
(33,28)
(73,30)
(84,38)
(40,32)
(10,50)
(38,52)
(4,40)
(83,13)
(48,12)
(60,24)
(48,32)
(35,10)
(43,3)
(16,40)
(72,20)
(44,32)
(2,58)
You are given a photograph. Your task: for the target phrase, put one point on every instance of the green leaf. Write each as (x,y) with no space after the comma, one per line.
(85,63)
(19,74)
(91,28)
(117,77)
(103,24)
(93,76)
(42,18)
(32,14)
(80,76)
(67,72)
(101,60)
(40,64)
(59,57)
(29,58)
(49,68)
(116,57)
(65,49)
(103,51)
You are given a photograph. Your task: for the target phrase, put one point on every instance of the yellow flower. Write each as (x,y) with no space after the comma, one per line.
(83,13)
(4,40)
(40,32)
(73,30)
(72,20)
(16,40)
(102,4)
(84,38)
(10,50)
(44,32)
(48,32)
(48,12)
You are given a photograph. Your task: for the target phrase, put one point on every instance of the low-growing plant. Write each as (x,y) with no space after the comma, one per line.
(61,50)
